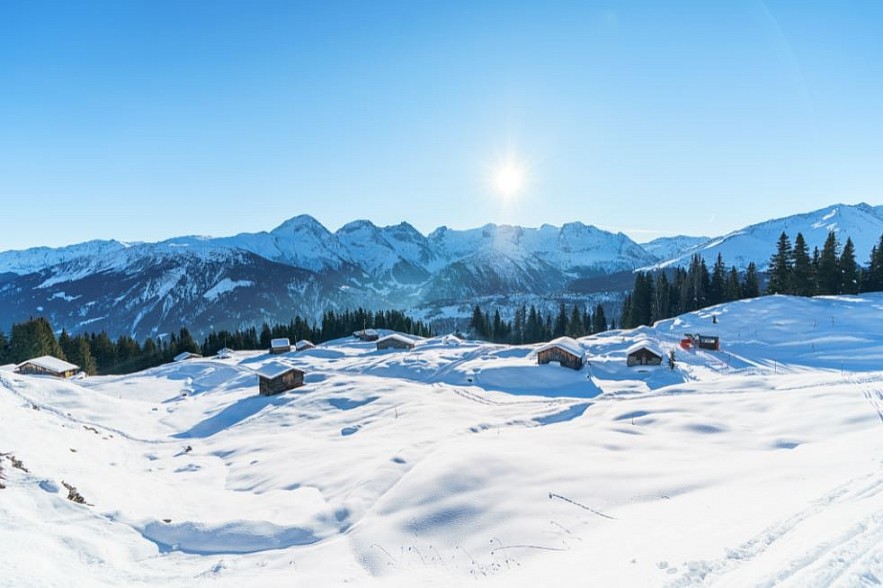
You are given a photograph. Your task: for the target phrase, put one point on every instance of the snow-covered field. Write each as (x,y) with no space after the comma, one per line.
(462,463)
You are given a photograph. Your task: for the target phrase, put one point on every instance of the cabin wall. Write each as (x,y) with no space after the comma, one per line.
(561,356)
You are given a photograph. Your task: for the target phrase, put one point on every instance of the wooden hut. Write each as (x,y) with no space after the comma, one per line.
(643,353)
(395,341)
(185,355)
(278,346)
(48,366)
(566,351)
(366,335)
(276,377)
(303,345)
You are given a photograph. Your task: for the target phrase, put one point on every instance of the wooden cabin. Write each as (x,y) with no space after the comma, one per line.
(564,350)
(366,335)
(395,341)
(643,353)
(48,366)
(185,355)
(276,377)
(278,346)
(303,345)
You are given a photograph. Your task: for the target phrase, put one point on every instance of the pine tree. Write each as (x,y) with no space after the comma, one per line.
(718,281)
(732,288)
(829,266)
(599,321)
(33,338)
(780,267)
(751,283)
(575,325)
(849,276)
(873,281)
(560,322)
(802,282)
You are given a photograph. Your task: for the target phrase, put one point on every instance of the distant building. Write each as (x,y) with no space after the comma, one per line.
(367,335)
(276,377)
(279,346)
(566,351)
(395,341)
(187,355)
(303,345)
(643,353)
(48,366)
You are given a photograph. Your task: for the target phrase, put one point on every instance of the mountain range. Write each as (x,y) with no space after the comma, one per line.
(300,267)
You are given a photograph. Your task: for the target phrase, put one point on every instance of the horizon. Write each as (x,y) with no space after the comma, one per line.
(143,122)
(427,233)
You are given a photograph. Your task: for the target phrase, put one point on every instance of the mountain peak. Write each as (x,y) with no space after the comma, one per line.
(299,223)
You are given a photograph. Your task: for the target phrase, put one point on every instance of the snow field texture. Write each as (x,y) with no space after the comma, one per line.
(761,464)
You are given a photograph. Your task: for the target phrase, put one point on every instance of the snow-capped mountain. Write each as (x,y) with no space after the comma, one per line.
(860,222)
(300,267)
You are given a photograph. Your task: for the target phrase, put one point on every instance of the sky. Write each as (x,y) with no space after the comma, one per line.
(141,121)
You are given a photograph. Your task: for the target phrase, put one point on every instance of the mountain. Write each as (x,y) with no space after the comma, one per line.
(670,247)
(756,243)
(300,267)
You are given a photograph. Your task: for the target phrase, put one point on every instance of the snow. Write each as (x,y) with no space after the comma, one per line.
(276,343)
(467,463)
(51,363)
(224,286)
(273,369)
(397,337)
(643,344)
(567,344)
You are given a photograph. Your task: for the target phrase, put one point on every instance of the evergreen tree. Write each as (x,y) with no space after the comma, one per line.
(802,282)
(829,266)
(849,275)
(575,327)
(33,338)
(718,281)
(560,327)
(751,283)
(732,288)
(780,267)
(599,321)
(873,281)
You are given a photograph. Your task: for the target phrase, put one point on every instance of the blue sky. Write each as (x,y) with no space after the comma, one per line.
(146,120)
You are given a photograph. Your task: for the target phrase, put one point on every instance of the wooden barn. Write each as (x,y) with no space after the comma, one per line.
(185,355)
(278,346)
(276,377)
(303,345)
(643,353)
(366,335)
(395,341)
(564,350)
(48,366)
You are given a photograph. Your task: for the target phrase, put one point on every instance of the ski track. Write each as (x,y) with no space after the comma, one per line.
(856,550)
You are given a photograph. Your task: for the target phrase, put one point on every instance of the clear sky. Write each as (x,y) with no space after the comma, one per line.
(146,120)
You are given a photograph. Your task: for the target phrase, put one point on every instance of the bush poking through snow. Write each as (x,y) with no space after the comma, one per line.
(73,495)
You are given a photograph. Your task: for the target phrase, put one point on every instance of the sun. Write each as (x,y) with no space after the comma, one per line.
(508,179)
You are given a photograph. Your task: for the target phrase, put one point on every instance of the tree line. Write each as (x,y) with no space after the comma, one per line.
(793,270)
(533,326)
(98,353)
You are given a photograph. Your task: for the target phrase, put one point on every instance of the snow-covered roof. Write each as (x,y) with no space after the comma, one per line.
(365,332)
(644,345)
(397,337)
(283,342)
(274,369)
(186,355)
(53,364)
(303,344)
(568,344)
(225,352)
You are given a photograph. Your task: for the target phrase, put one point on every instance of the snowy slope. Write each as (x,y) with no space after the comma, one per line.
(466,463)
(861,222)
(671,247)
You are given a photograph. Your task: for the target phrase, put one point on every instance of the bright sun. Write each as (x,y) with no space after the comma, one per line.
(508,179)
